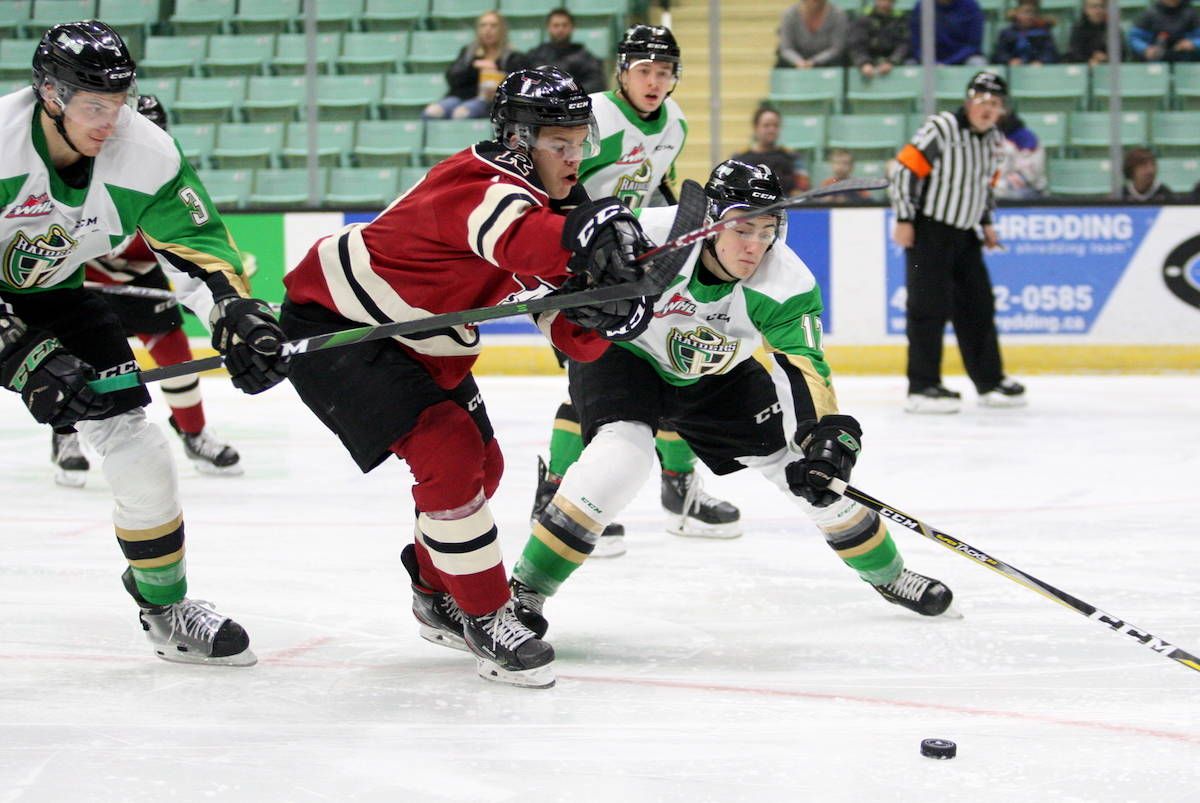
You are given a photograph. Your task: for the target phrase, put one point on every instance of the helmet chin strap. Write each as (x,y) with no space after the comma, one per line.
(60,127)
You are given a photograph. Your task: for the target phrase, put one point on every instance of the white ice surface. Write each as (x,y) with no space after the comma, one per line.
(758,669)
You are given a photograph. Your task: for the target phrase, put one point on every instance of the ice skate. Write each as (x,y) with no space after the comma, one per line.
(528,604)
(208,454)
(918,593)
(612,541)
(440,617)
(70,466)
(705,516)
(191,631)
(1009,393)
(933,400)
(507,651)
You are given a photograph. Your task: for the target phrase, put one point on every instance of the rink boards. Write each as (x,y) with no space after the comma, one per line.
(1096,288)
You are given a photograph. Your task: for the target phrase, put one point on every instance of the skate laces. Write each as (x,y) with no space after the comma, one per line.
(196,619)
(505,629)
(447,605)
(909,585)
(204,444)
(527,597)
(696,498)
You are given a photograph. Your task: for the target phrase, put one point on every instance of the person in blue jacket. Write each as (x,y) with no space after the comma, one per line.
(1169,31)
(958,30)
(1028,39)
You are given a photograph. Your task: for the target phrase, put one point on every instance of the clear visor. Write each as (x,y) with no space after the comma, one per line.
(668,70)
(751,229)
(87,108)
(563,142)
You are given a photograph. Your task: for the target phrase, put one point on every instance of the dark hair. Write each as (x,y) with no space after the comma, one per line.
(1135,158)
(765,108)
(560,12)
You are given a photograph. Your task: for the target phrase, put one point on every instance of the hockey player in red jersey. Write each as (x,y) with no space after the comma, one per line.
(484,227)
(159,325)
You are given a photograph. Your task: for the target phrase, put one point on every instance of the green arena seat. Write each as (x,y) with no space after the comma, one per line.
(393,15)
(867,136)
(336,15)
(291,53)
(14,17)
(196,140)
(238,54)
(1050,128)
(266,16)
(48,13)
(433,51)
(209,100)
(284,187)
(373,187)
(950,85)
(373,52)
(1187,85)
(896,92)
(201,16)
(248,145)
(347,97)
(804,133)
(458,13)
(274,98)
(388,143)
(1080,177)
(1088,133)
(447,137)
(527,13)
(1144,87)
(178,56)
(164,89)
(335,141)
(405,96)
(815,91)
(228,189)
(1049,87)
(1175,133)
(1180,174)
(15,58)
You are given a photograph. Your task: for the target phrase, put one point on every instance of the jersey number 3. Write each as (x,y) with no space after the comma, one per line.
(195,205)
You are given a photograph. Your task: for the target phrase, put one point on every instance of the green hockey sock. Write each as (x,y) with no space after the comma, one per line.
(566,443)
(878,565)
(162,585)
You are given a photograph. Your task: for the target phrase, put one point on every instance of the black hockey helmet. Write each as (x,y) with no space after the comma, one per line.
(151,108)
(647,43)
(737,185)
(987,83)
(86,55)
(545,96)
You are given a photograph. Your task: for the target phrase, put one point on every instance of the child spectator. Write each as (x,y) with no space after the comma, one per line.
(841,166)
(1028,39)
(1022,173)
(878,40)
(478,70)
(1169,31)
(958,32)
(766,151)
(1141,178)
(1089,36)
(812,33)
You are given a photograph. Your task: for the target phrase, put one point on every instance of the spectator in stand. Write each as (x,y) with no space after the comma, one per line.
(767,152)
(1028,40)
(812,33)
(1022,173)
(571,57)
(841,166)
(878,40)
(958,32)
(478,70)
(1141,178)
(1169,31)
(1089,36)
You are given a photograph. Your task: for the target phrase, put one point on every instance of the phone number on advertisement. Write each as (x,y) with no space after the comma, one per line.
(1044,298)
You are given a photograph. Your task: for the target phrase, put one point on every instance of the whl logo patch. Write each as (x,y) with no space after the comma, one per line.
(33,206)
(30,262)
(678,305)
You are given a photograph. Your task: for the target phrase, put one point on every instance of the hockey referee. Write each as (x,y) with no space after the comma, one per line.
(941,193)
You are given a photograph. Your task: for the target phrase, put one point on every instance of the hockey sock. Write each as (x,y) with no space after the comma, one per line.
(182,393)
(674,452)
(156,559)
(566,442)
(861,540)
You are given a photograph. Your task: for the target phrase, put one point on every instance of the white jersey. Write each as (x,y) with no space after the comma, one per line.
(702,328)
(139,180)
(636,155)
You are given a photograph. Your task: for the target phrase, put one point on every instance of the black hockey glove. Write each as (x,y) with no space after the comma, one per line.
(605,240)
(52,381)
(613,320)
(248,336)
(830,449)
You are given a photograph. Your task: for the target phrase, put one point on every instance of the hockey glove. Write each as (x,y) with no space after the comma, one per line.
(830,448)
(246,334)
(613,320)
(52,381)
(605,240)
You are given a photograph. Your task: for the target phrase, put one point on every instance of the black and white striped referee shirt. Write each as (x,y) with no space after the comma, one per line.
(947,172)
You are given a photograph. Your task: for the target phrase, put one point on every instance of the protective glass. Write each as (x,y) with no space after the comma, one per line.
(93,109)
(560,148)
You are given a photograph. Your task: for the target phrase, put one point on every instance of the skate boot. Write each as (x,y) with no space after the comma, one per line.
(612,540)
(208,454)
(440,617)
(70,466)
(192,631)
(507,651)
(1009,393)
(918,593)
(935,400)
(528,604)
(695,513)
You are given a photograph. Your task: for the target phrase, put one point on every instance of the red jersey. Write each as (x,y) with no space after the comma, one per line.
(129,260)
(477,231)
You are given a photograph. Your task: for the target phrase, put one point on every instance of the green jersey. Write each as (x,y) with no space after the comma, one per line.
(636,155)
(139,181)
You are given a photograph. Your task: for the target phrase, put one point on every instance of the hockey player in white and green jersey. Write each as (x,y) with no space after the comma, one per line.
(80,173)
(642,132)
(693,367)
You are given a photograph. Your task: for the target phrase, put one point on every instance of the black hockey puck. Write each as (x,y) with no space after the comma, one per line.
(938,748)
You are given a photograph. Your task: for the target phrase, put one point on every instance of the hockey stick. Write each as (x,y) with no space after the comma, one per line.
(133,291)
(1143,637)
(658,276)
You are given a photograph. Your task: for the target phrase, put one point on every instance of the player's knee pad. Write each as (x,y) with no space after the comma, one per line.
(610,471)
(446,455)
(138,464)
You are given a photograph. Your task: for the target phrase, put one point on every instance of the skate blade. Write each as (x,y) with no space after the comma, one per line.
(692,528)
(243,658)
(443,639)
(1003,402)
(950,613)
(70,479)
(933,407)
(541,677)
(609,546)
(204,467)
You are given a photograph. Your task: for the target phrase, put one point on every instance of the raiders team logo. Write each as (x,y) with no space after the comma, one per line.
(1181,271)
(30,262)
(700,352)
(633,187)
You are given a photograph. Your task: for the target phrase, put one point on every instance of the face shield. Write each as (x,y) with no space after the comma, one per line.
(560,142)
(88,108)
